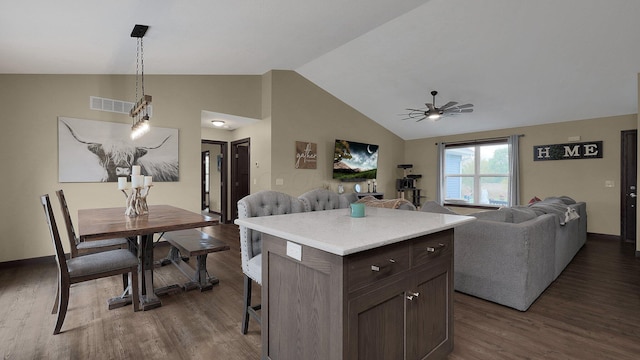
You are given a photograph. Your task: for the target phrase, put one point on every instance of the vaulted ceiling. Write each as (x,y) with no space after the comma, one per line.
(519,62)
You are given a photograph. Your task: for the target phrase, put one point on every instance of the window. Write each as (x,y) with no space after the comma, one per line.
(476,173)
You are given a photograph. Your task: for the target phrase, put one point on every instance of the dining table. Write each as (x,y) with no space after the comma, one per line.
(105,223)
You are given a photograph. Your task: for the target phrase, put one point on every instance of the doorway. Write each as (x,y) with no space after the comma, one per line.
(628,186)
(239,173)
(213,173)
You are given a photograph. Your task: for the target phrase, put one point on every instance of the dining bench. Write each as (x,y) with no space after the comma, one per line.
(189,243)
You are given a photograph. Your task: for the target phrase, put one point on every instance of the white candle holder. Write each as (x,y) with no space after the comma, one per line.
(137,201)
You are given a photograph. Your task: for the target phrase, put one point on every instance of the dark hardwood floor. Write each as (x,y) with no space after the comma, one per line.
(592,311)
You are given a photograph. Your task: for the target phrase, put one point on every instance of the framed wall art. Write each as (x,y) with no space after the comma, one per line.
(100,151)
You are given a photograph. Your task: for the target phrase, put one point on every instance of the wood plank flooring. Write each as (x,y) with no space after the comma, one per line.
(592,311)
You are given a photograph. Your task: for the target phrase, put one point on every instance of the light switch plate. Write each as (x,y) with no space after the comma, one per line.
(294,250)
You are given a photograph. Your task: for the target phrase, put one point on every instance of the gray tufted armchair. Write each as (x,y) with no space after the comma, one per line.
(322,199)
(263,203)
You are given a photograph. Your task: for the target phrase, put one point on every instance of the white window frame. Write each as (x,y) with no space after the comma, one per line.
(477,176)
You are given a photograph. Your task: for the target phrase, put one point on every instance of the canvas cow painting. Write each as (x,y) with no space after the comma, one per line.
(97,151)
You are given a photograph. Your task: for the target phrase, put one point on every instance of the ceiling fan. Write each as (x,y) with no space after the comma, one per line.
(434,113)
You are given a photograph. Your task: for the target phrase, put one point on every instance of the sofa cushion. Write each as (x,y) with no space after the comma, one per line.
(565,199)
(520,214)
(434,207)
(493,215)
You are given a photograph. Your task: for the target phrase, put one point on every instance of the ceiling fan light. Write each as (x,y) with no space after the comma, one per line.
(434,117)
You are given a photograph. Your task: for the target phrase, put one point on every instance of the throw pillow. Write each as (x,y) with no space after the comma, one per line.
(522,214)
(534,200)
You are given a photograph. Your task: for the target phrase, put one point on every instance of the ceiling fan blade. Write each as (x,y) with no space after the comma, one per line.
(457,110)
(464,106)
(431,107)
(448,105)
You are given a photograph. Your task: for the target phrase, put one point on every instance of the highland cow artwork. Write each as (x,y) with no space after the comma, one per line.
(99,151)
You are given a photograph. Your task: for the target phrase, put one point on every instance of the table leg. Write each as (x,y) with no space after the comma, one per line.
(148,298)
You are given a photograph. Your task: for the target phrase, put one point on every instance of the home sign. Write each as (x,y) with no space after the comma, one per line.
(584,150)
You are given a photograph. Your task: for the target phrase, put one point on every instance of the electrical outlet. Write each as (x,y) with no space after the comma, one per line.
(279,181)
(294,250)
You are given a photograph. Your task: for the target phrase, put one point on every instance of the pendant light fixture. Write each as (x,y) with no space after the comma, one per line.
(139,113)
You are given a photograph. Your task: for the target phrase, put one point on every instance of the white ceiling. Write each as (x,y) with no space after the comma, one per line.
(519,62)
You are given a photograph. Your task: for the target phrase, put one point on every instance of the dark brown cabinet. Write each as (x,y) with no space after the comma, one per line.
(392,302)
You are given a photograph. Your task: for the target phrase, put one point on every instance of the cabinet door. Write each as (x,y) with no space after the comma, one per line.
(377,324)
(429,320)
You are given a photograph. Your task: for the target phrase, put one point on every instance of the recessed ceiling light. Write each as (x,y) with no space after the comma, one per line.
(217,123)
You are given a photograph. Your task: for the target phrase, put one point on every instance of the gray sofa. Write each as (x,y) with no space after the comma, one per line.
(511,255)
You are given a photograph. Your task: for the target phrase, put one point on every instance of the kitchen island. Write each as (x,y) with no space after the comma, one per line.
(337,287)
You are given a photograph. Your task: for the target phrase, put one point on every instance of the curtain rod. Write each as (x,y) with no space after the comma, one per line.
(479,140)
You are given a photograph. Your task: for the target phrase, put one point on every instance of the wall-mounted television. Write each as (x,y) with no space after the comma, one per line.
(354,161)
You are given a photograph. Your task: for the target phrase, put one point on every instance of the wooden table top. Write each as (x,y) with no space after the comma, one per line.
(104,223)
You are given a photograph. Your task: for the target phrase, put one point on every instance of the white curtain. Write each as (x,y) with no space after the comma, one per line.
(514,170)
(440,164)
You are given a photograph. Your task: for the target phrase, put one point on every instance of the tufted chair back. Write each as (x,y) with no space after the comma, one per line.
(322,199)
(263,203)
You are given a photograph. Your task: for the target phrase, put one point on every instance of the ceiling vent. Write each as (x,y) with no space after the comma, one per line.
(110,105)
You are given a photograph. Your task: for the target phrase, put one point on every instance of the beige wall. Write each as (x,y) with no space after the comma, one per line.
(290,108)
(29,151)
(583,180)
(301,111)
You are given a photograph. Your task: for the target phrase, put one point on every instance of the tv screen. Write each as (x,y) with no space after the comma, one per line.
(354,161)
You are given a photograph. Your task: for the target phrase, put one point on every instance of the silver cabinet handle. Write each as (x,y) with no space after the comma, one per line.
(377,268)
(437,248)
(412,295)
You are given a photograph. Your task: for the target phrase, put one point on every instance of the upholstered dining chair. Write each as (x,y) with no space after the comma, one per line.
(323,199)
(263,203)
(87,267)
(86,247)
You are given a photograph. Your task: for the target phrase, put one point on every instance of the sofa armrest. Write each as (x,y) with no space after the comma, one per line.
(510,264)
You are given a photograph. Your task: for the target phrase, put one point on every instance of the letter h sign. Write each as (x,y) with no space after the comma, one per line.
(585,150)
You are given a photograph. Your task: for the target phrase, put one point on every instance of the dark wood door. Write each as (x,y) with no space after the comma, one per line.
(240,174)
(377,324)
(628,188)
(428,316)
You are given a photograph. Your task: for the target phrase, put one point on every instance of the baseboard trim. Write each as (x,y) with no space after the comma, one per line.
(607,237)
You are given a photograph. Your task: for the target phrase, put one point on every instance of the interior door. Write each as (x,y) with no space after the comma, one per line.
(217,182)
(239,173)
(628,188)
(204,171)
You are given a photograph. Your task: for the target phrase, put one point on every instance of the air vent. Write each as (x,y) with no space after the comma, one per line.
(110,105)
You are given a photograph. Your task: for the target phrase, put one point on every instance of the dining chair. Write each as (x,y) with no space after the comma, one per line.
(323,199)
(79,247)
(87,267)
(262,203)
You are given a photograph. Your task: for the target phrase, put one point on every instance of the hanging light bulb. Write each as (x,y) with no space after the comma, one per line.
(140,127)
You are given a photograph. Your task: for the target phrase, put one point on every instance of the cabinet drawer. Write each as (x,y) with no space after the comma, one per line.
(373,265)
(431,247)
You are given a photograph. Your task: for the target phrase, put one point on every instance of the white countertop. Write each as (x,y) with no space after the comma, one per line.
(336,232)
